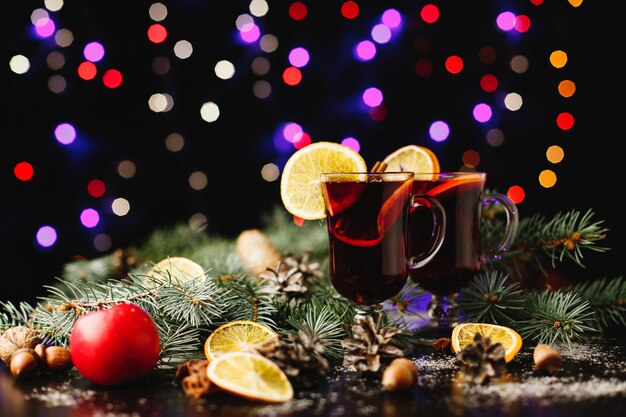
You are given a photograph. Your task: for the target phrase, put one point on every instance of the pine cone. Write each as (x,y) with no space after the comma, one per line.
(482,360)
(300,357)
(368,345)
(311,271)
(286,284)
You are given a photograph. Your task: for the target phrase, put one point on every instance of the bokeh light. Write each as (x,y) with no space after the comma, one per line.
(547,178)
(53,5)
(391,18)
(439,131)
(292,76)
(46,236)
(365,50)
(45,27)
(120,206)
(23,171)
(157,33)
(471,158)
(210,112)
(258,8)
(349,9)
(174,142)
(112,78)
(565,121)
(89,218)
(55,60)
(126,169)
(555,154)
(19,64)
(198,180)
(102,242)
(516,194)
(513,101)
(372,97)
(87,70)
(489,83)
(157,12)
(352,143)
(64,37)
(57,83)
(224,69)
(429,13)
(93,51)
(505,21)
(96,188)
(270,172)
(183,49)
(454,64)
(558,59)
(381,33)
(299,57)
(482,112)
(65,133)
(567,88)
(298,10)
(495,137)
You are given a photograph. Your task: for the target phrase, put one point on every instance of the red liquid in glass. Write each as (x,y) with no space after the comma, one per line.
(459,258)
(367,231)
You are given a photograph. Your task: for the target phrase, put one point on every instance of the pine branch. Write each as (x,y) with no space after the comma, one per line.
(556,317)
(245,298)
(12,315)
(321,324)
(564,236)
(607,298)
(492,298)
(179,342)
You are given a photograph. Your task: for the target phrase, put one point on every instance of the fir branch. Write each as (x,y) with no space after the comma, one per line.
(196,302)
(12,315)
(178,240)
(179,342)
(556,317)
(607,298)
(321,324)
(245,298)
(491,298)
(565,236)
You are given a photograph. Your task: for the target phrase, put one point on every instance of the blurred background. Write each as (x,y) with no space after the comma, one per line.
(122,117)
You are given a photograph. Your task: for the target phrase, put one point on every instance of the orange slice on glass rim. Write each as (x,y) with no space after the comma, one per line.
(412,158)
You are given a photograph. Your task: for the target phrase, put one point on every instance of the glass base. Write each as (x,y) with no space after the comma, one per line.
(442,314)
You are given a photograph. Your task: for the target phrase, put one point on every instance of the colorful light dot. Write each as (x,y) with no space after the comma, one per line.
(292,76)
(567,88)
(513,101)
(224,69)
(522,23)
(157,33)
(454,64)
(365,50)
(96,188)
(270,172)
(89,218)
(126,169)
(349,9)
(297,10)
(210,112)
(23,171)
(198,180)
(424,68)
(299,57)
(120,207)
(351,143)
(391,18)
(547,178)
(555,154)
(45,27)
(439,131)
(292,132)
(303,140)
(489,83)
(174,142)
(381,33)
(93,51)
(250,33)
(372,97)
(19,64)
(102,242)
(429,13)
(378,114)
(46,236)
(65,133)
(516,194)
(565,121)
(87,70)
(482,112)
(558,59)
(112,78)
(505,21)
(471,158)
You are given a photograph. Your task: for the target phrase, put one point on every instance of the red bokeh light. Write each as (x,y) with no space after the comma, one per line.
(23,171)
(424,68)
(297,10)
(522,23)
(112,78)
(349,10)
(87,70)
(454,64)
(430,13)
(304,140)
(489,83)
(537,2)
(292,76)
(516,194)
(565,121)
(378,114)
(96,188)
(157,33)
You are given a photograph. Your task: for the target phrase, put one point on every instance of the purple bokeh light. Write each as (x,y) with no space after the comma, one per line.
(93,51)
(250,33)
(365,51)
(505,21)
(439,131)
(46,236)
(351,143)
(65,133)
(299,57)
(381,33)
(89,218)
(391,18)
(45,27)
(482,112)
(373,97)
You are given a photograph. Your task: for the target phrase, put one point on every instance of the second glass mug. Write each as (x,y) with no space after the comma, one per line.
(367,222)
(460,257)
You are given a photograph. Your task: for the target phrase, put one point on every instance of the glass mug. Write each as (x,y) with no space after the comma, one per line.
(367,222)
(460,257)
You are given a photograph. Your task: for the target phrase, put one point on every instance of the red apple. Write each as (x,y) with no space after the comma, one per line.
(115,345)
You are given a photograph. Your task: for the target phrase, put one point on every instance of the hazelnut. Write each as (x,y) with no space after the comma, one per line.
(400,375)
(58,359)
(24,363)
(547,360)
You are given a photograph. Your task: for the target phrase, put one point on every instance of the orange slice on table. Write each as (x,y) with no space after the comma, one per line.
(251,376)
(463,335)
(300,189)
(412,158)
(237,336)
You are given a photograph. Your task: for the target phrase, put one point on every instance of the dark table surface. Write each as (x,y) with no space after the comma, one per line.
(592,381)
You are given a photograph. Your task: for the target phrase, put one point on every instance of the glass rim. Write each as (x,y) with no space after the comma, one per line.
(452,174)
(364,175)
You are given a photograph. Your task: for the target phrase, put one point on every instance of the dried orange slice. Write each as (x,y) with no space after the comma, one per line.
(237,336)
(251,376)
(300,189)
(412,158)
(463,335)
(177,267)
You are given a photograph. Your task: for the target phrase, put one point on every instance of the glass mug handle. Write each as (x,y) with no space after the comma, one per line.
(438,232)
(510,229)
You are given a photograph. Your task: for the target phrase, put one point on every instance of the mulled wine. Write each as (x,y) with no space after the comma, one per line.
(367,220)
(459,258)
